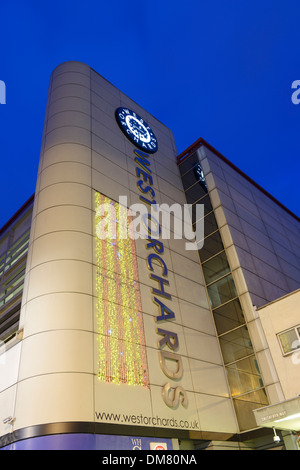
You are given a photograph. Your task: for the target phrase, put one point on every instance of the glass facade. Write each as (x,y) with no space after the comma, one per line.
(244,378)
(14,241)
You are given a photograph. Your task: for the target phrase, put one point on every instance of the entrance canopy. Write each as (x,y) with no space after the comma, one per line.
(284,415)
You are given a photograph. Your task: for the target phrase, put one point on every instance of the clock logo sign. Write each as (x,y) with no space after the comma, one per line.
(136,130)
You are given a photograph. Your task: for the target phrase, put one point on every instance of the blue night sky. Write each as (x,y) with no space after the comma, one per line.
(221,70)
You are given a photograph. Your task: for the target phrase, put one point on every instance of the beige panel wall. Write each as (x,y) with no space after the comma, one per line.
(9,365)
(276,318)
(55,376)
(84,150)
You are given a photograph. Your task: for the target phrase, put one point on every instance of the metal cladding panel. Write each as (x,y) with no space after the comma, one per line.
(115,332)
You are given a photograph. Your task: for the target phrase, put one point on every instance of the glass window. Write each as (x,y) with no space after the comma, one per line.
(207,204)
(9,326)
(2,260)
(211,246)
(15,292)
(215,268)
(188,163)
(236,344)
(14,279)
(13,253)
(197,211)
(205,201)
(244,376)
(190,178)
(17,251)
(22,226)
(289,340)
(199,175)
(228,316)
(3,244)
(245,405)
(210,224)
(221,291)
(194,193)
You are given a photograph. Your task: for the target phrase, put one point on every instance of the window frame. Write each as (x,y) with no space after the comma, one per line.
(294,328)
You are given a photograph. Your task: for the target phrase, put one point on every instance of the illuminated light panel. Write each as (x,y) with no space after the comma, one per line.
(121,338)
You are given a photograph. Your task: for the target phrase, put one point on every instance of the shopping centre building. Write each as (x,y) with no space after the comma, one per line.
(148,300)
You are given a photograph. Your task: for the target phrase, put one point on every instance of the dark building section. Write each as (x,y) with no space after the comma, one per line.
(14,242)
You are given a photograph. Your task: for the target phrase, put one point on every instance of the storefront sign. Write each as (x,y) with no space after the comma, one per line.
(141,135)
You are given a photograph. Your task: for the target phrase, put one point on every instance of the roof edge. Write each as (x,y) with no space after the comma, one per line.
(198,143)
(16,215)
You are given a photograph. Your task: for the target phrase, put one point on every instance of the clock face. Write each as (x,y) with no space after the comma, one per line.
(136,130)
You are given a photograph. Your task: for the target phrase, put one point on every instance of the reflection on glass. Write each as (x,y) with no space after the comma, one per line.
(187,164)
(241,366)
(210,224)
(195,175)
(189,179)
(221,291)
(198,172)
(207,207)
(215,268)
(289,341)
(3,244)
(211,246)
(191,173)
(194,193)
(245,405)
(244,376)
(236,344)
(228,316)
